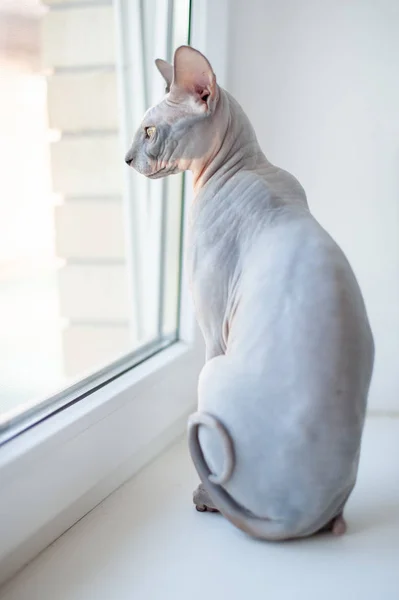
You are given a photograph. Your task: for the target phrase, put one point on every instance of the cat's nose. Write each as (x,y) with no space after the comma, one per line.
(129,158)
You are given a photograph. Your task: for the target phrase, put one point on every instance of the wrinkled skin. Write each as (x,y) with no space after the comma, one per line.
(289,351)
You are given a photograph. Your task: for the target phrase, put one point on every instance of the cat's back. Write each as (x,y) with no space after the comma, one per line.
(247,199)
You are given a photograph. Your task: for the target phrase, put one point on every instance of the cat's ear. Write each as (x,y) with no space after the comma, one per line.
(194,74)
(166,71)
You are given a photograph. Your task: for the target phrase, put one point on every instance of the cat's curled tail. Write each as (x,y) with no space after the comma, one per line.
(207,420)
(262,528)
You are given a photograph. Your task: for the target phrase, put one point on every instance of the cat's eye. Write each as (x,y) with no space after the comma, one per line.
(150,132)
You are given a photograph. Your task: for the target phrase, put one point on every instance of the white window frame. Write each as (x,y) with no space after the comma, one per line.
(54,473)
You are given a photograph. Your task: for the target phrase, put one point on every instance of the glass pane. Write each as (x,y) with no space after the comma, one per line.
(89,251)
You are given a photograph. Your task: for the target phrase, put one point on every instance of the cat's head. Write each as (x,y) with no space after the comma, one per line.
(179,132)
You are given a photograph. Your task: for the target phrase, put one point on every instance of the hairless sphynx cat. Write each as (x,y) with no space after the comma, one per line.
(289,350)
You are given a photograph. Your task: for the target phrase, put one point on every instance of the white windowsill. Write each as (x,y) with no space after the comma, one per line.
(146,541)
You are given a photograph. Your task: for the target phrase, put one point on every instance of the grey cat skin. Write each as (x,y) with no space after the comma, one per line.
(289,350)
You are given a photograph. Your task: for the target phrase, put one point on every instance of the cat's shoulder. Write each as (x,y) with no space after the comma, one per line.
(248,182)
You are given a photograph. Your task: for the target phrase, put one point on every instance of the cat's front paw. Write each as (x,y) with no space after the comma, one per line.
(202,500)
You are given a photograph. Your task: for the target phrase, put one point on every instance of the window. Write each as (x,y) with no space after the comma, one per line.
(104,430)
(89,251)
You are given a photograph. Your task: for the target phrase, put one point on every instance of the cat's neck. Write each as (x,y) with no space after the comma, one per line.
(236,147)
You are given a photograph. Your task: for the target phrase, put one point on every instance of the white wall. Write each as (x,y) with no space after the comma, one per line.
(320,82)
